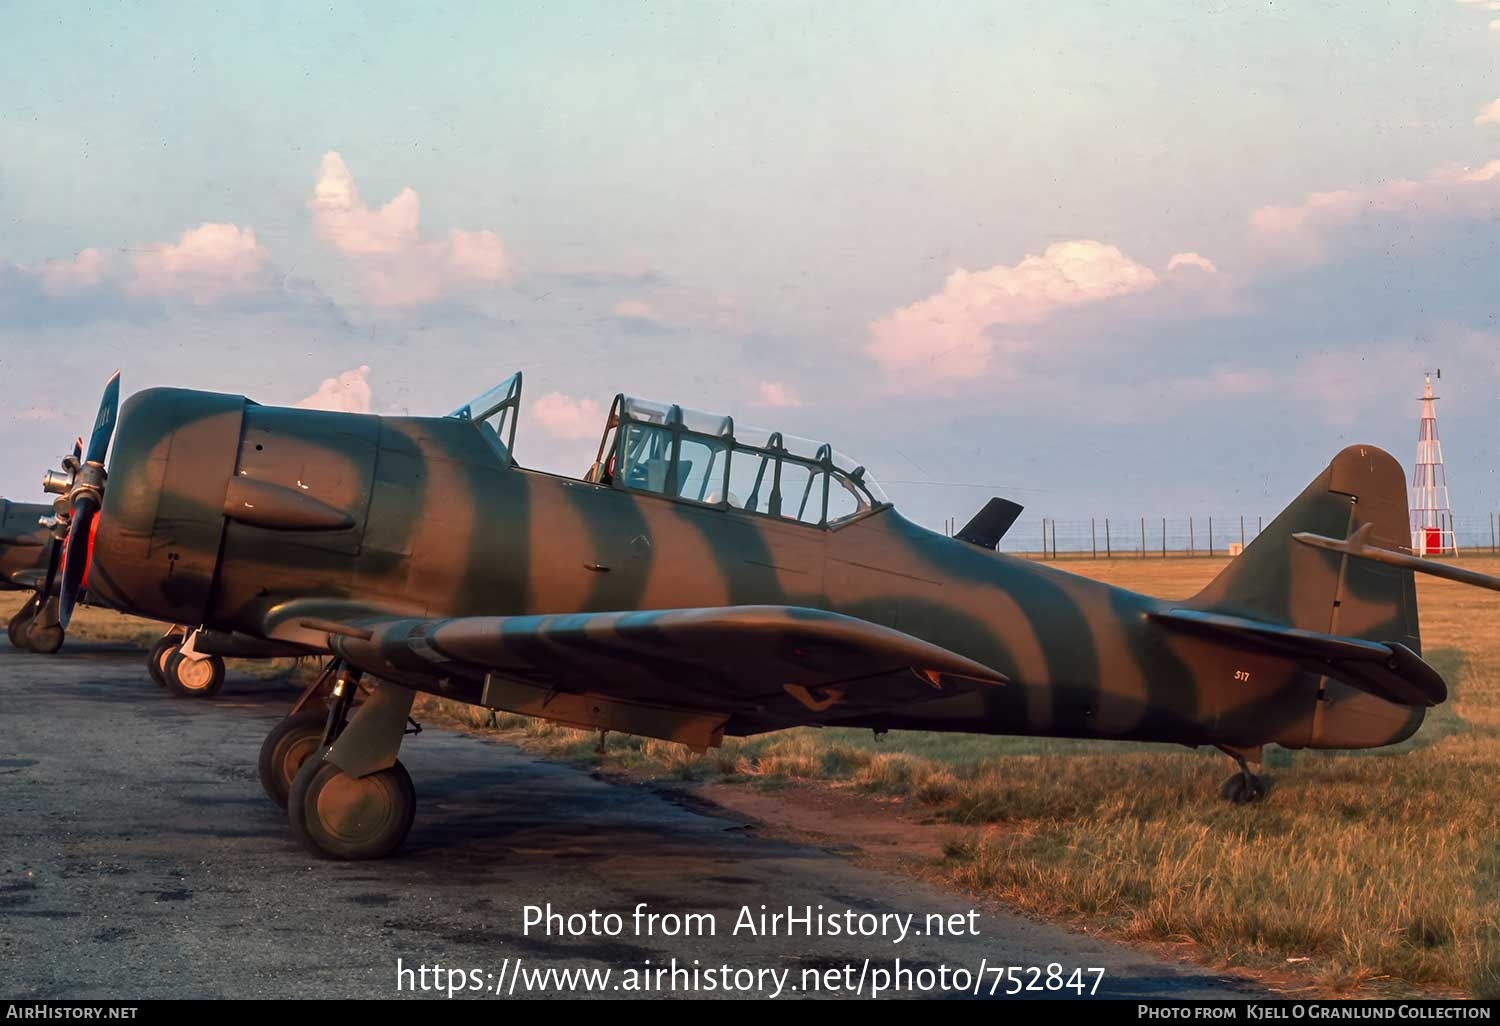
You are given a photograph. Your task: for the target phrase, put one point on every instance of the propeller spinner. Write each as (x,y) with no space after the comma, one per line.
(81,485)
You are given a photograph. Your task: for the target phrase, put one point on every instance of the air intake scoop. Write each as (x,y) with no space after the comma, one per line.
(279,508)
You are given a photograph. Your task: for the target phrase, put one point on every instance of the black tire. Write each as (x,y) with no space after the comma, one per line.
(336,816)
(193,678)
(1245,790)
(156,662)
(43,640)
(286,748)
(16,629)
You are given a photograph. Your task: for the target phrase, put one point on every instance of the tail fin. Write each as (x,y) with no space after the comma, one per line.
(1278,581)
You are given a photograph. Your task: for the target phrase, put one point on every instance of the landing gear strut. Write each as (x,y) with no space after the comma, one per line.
(299,735)
(1245,787)
(354,800)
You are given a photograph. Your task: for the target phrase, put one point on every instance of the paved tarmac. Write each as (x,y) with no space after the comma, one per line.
(140,859)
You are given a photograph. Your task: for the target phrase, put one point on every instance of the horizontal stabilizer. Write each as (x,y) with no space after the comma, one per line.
(1386,670)
(990,524)
(1358,545)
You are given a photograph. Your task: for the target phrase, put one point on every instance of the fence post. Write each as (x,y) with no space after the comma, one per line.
(1192,542)
(1143,537)
(1044,538)
(1492,534)
(1210,536)
(1108,549)
(1257,526)
(1093,538)
(1163,537)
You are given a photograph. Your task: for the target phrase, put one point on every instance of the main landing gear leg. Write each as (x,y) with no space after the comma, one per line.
(302,730)
(354,800)
(1245,787)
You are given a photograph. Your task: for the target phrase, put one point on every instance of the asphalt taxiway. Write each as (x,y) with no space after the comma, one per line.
(140,859)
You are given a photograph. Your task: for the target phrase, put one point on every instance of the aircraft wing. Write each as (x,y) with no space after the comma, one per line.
(770,662)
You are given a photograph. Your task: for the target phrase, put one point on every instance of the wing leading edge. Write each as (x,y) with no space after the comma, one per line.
(777,664)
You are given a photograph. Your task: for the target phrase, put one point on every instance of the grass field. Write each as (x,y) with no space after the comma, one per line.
(1375,868)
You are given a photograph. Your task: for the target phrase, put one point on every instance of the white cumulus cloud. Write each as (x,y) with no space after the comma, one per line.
(636,310)
(84,271)
(394,264)
(1190,262)
(774,393)
(205,265)
(564,417)
(959,331)
(1305,232)
(347,393)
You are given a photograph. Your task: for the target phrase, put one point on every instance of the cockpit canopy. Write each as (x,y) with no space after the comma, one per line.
(706,459)
(494,413)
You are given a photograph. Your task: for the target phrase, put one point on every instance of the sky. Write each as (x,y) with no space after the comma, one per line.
(1148,259)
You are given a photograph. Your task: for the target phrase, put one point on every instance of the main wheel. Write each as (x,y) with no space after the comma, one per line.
(156,662)
(286,748)
(16,629)
(338,816)
(43,640)
(194,678)
(1245,789)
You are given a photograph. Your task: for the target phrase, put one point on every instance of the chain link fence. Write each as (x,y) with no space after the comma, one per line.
(1143,537)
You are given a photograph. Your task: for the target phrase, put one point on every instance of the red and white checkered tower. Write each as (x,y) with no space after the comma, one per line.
(1431,516)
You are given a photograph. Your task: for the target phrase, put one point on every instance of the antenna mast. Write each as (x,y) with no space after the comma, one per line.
(1431,515)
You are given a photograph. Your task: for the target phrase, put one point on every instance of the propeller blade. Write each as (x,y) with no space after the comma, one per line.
(88,497)
(76,558)
(104,424)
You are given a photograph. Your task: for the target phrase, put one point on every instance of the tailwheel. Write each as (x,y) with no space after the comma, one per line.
(286,748)
(156,662)
(16,629)
(194,678)
(349,818)
(1245,787)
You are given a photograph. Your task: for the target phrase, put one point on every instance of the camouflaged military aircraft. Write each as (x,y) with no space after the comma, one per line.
(25,546)
(701,579)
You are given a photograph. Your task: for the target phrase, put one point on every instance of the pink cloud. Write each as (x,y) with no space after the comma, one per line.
(1489,114)
(1190,262)
(774,393)
(347,393)
(394,264)
(1304,233)
(635,310)
(959,331)
(85,271)
(205,265)
(564,417)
